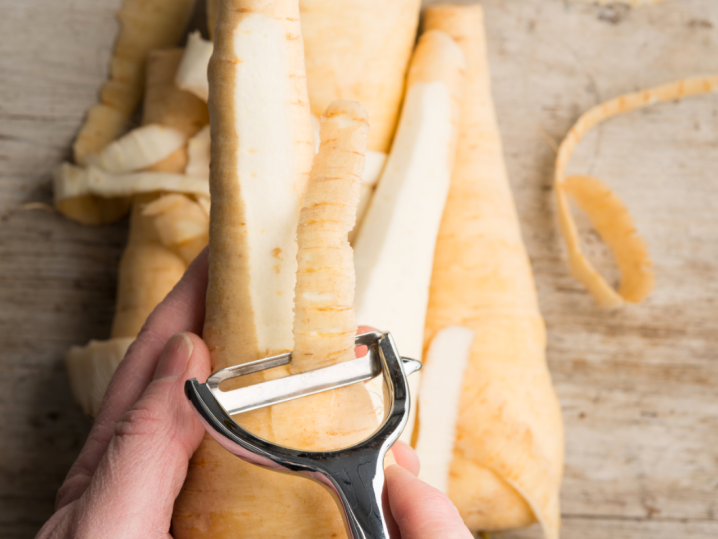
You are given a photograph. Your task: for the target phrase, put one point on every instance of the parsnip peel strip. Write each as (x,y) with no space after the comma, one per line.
(446,360)
(90,369)
(138,149)
(192,72)
(72,182)
(605,209)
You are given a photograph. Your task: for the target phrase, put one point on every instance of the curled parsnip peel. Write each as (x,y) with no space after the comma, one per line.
(138,149)
(324,325)
(145,25)
(508,452)
(607,213)
(360,50)
(192,72)
(71,182)
(181,223)
(443,373)
(90,369)
(262,151)
(198,149)
(394,248)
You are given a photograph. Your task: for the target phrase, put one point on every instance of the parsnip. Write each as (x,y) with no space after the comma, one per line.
(508,454)
(360,50)
(262,150)
(145,25)
(394,248)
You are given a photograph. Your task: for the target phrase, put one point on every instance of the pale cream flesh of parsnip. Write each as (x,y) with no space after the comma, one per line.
(192,72)
(394,248)
(508,452)
(138,149)
(446,360)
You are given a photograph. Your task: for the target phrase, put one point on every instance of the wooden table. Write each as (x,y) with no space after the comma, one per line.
(639,386)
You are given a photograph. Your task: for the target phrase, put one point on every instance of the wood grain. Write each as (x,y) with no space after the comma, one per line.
(637,385)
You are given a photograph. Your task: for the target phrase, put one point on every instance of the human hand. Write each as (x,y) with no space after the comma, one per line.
(134,463)
(419,510)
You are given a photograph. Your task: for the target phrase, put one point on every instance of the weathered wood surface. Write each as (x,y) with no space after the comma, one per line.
(637,385)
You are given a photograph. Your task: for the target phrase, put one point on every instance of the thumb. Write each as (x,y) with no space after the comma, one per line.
(135,485)
(421,511)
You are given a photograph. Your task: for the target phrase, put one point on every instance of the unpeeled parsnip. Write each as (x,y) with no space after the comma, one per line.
(508,456)
(360,50)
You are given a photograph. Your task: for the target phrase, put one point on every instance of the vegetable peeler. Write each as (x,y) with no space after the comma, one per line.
(354,475)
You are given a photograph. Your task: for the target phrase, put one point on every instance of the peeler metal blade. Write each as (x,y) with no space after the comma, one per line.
(354,475)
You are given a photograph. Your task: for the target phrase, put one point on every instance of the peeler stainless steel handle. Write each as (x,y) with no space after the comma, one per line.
(354,475)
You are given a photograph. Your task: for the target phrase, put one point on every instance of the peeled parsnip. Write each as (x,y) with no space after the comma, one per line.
(508,454)
(145,25)
(212,7)
(262,151)
(360,50)
(394,248)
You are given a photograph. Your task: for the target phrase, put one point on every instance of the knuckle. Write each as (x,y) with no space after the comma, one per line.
(140,421)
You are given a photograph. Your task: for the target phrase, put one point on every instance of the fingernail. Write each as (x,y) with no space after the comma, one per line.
(175,357)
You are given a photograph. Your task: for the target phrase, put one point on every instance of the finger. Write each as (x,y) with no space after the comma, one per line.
(141,473)
(182,310)
(421,511)
(406,457)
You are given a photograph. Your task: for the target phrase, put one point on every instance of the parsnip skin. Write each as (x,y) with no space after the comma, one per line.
(508,456)
(360,50)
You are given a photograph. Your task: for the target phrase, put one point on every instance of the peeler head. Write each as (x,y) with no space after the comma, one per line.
(353,475)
